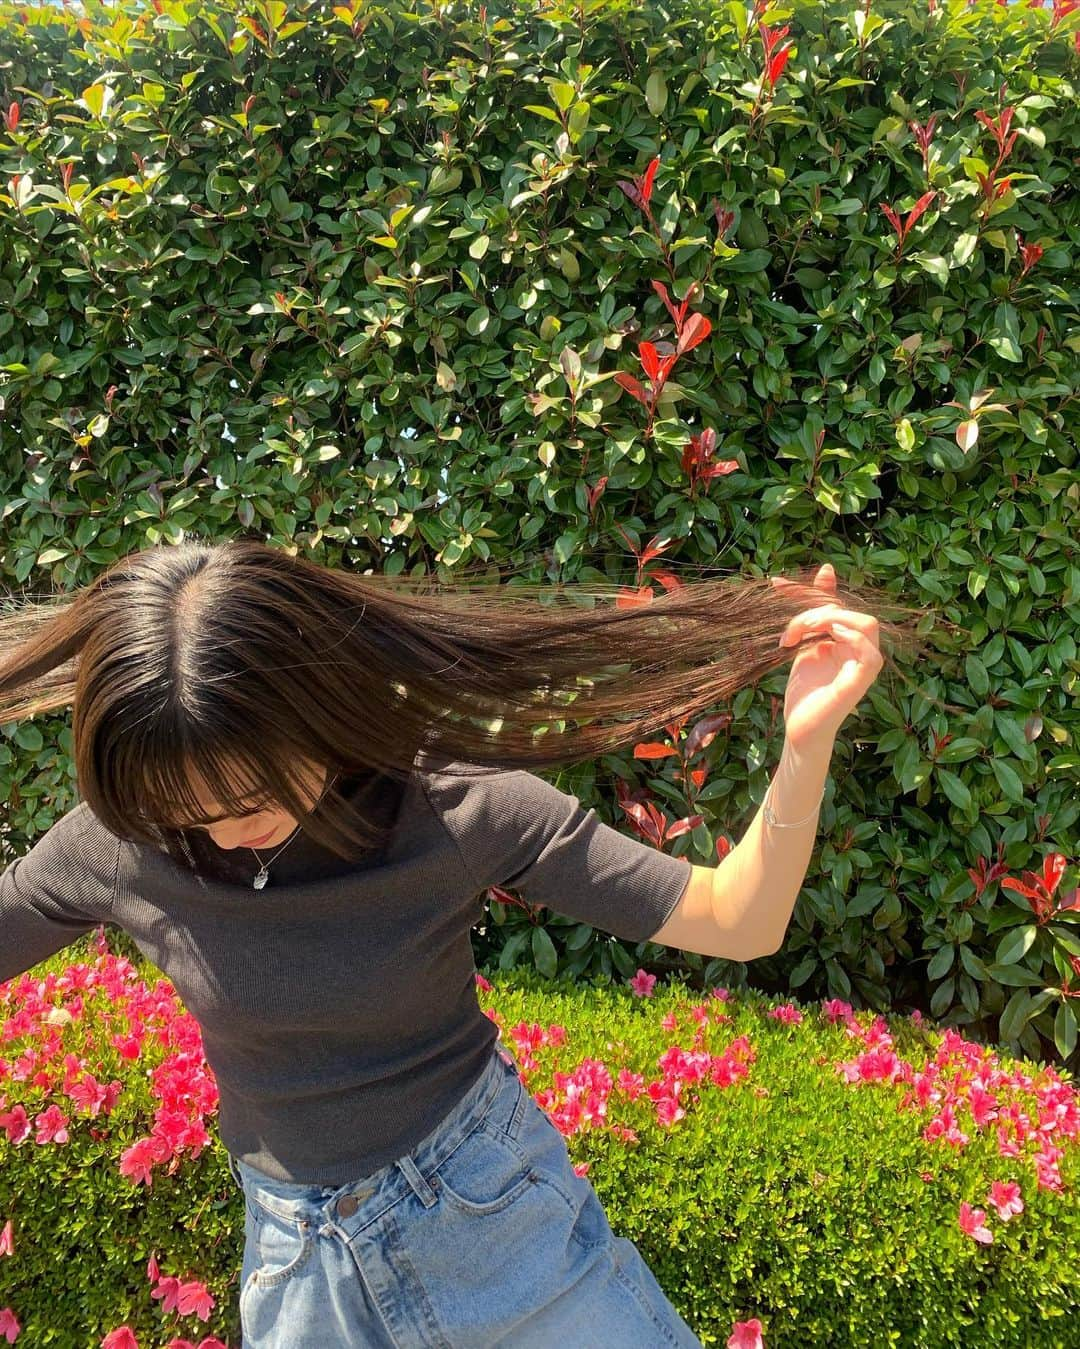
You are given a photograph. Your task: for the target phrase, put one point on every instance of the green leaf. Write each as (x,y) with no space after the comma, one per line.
(1005,346)
(549,113)
(1032,426)
(849,205)
(656,93)
(545,957)
(953,788)
(1008,779)
(942,997)
(972,963)
(811,278)
(28,736)
(753,260)
(936,265)
(941,961)
(1014,976)
(1065,1029)
(1016,943)
(1014,1018)
(803,970)
(97,98)
(1004,336)
(563,94)
(477,321)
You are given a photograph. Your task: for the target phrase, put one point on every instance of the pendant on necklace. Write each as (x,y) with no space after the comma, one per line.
(261,878)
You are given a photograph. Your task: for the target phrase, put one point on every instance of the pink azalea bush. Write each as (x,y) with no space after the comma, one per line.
(99,1059)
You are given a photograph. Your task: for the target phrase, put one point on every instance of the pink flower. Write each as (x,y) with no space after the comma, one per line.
(972,1222)
(16,1122)
(642,984)
(669,1111)
(121,1338)
(836,1009)
(8,1325)
(787,1012)
(746,1335)
(50,1126)
(195,1299)
(1005,1197)
(185,1297)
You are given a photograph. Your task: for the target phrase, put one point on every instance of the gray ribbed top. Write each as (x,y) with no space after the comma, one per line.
(338,1005)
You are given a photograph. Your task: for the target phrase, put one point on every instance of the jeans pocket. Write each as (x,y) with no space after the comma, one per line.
(280,1245)
(485,1173)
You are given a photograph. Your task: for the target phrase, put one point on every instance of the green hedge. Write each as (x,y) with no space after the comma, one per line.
(784,1191)
(377,282)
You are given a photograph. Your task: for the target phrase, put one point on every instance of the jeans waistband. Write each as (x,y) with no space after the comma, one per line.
(297,1201)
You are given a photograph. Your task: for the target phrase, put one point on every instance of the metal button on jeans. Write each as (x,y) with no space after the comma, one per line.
(348,1205)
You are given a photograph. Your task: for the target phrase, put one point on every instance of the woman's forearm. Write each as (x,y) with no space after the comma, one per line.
(771,863)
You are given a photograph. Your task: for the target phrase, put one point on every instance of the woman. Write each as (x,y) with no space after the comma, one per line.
(297,784)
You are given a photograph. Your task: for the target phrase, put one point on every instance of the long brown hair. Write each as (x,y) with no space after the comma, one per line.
(242,660)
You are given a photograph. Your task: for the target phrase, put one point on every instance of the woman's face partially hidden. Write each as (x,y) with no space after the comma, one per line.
(266,818)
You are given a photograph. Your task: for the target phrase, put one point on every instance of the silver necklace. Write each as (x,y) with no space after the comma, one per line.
(263,874)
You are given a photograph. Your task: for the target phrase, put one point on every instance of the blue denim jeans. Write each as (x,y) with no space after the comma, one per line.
(482,1237)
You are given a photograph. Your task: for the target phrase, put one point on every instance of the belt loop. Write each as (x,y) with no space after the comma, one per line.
(424,1192)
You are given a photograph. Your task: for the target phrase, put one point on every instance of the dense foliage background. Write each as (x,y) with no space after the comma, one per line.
(589,290)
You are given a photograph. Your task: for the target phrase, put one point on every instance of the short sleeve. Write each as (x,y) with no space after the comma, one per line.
(516,830)
(56,892)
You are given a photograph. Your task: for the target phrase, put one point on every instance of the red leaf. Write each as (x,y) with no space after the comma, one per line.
(894,219)
(1021,889)
(1004,122)
(647,818)
(1053,869)
(634,599)
(1070,903)
(721,469)
(653,750)
(647,181)
(649,359)
(777,64)
(654,549)
(661,290)
(771,36)
(695,331)
(704,732)
(683,826)
(631,385)
(917,210)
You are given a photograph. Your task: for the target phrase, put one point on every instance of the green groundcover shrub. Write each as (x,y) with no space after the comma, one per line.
(796,1172)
